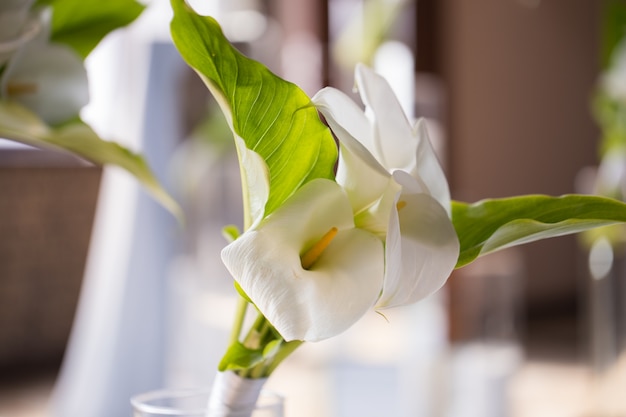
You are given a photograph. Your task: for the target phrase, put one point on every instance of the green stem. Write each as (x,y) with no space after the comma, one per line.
(285,350)
(253,338)
(260,334)
(265,368)
(240,315)
(258,371)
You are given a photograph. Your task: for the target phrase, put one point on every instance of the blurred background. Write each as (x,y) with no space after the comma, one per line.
(103,296)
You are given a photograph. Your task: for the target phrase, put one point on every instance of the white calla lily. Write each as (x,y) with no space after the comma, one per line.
(49,79)
(396,186)
(333,289)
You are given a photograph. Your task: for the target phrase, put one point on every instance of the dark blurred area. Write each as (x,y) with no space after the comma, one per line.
(47,213)
(47,209)
(520,76)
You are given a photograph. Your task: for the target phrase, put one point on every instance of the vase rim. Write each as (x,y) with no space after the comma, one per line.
(141,402)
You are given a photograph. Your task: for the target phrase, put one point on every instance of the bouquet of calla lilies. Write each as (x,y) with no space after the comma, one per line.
(322,246)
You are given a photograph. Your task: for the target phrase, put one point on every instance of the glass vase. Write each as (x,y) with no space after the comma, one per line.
(194,403)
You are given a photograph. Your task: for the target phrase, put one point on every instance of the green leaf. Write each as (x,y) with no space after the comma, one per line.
(612,28)
(19,124)
(82,24)
(272,348)
(274,118)
(230,232)
(240,357)
(242,293)
(494,224)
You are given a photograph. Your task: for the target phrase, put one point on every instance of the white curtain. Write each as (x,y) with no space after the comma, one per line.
(117,347)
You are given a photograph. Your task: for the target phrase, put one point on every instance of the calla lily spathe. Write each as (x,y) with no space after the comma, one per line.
(324,299)
(47,78)
(396,186)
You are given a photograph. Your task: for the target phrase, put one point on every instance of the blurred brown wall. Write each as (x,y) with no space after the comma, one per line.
(46,214)
(519,76)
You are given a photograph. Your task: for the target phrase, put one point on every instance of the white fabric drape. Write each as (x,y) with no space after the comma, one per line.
(117,346)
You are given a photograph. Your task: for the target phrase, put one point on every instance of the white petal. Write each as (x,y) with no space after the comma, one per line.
(392,132)
(402,147)
(306,216)
(49,79)
(255,183)
(421,251)
(358,172)
(376,218)
(410,184)
(335,292)
(360,176)
(428,169)
(344,116)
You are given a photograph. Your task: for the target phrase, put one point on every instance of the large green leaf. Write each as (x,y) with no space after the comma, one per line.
(19,124)
(274,118)
(82,24)
(494,224)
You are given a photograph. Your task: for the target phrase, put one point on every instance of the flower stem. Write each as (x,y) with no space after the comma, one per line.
(286,349)
(259,336)
(254,338)
(240,315)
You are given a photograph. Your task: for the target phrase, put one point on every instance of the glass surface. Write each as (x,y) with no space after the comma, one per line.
(606,292)
(193,403)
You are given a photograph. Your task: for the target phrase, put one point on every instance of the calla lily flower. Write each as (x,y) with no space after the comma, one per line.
(396,186)
(307,269)
(49,79)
